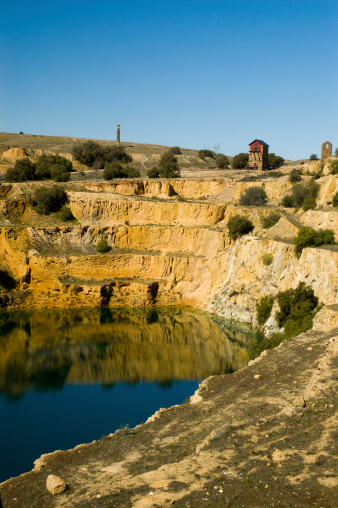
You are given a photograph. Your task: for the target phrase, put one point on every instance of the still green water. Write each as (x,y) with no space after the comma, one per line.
(71,376)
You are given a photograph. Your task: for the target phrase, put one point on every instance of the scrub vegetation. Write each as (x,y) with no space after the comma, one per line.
(239,226)
(309,237)
(297,308)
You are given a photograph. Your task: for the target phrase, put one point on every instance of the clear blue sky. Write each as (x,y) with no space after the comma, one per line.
(188,73)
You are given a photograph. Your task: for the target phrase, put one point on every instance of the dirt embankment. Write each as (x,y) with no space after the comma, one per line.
(264,436)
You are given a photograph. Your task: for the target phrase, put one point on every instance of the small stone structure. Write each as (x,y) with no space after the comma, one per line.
(118,134)
(326,150)
(258,154)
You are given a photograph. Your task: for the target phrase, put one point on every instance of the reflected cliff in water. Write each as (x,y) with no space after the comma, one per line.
(44,350)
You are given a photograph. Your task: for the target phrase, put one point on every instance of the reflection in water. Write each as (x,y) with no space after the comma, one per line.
(44,350)
(70,376)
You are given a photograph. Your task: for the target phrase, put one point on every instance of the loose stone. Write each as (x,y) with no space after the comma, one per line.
(55,485)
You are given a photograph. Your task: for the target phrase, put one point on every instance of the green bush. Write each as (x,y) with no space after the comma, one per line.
(296,309)
(253,196)
(175,150)
(240,161)
(205,153)
(299,193)
(132,172)
(334,167)
(65,214)
(270,220)
(313,157)
(97,156)
(48,200)
(261,343)
(167,157)
(335,200)
(294,176)
(102,247)
(274,174)
(309,237)
(267,259)
(46,162)
(263,308)
(239,226)
(309,203)
(58,173)
(115,170)
(23,170)
(169,170)
(287,201)
(275,161)
(222,162)
(153,172)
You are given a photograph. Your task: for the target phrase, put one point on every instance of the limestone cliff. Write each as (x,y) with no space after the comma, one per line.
(169,245)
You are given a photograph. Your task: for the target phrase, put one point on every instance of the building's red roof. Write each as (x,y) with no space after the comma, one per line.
(259,141)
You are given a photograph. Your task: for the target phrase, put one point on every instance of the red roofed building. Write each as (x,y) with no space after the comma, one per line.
(258,154)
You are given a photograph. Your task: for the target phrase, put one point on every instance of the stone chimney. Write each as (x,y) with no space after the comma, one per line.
(118,134)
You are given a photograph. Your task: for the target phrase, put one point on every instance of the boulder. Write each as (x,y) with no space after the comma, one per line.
(55,485)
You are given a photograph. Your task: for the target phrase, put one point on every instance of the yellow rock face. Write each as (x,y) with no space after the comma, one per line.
(169,245)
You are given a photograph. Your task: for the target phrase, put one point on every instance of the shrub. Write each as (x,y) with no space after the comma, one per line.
(58,173)
(267,259)
(47,200)
(153,172)
(299,193)
(94,155)
(240,161)
(205,153)
(255,196)
(261,343)
(270,220)
(175,150)
(222,162)
(23,170)
(287,201)
(102,247)
(132,172)
(308,237)
(65,214)
(334,167)
(296,309)
(167,157)
(263,308)
(114,170)
(294,176)
(313,157)
(46,162)
(275,161)
(309,203)
(335,200)
(274,174)
(169,170)
(239,226)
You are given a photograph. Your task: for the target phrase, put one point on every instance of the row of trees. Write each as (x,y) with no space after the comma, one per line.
(47,166)
(239,161)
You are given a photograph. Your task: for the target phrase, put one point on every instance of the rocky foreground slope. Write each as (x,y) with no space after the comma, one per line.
(263,436)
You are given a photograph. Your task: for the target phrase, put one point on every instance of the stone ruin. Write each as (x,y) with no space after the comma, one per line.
(326,150)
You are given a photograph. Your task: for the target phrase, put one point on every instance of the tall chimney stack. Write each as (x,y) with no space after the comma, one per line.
(118,134)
